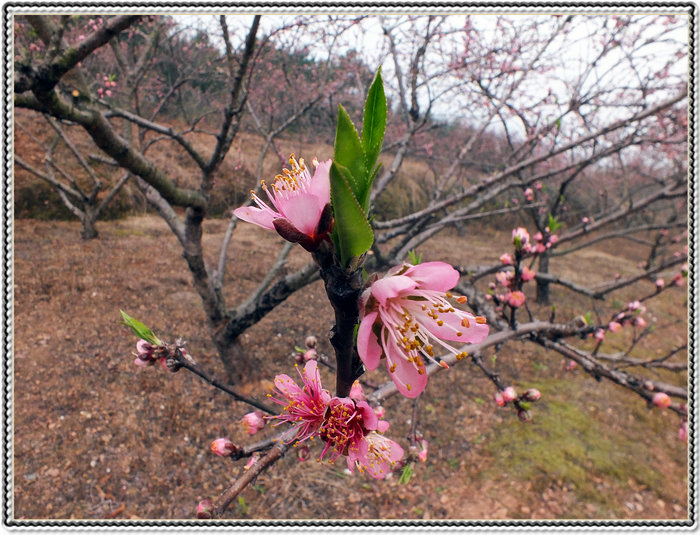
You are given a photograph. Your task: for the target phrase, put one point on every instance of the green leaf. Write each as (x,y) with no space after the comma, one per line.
(406,474)
(349,153)
(352,233)
(140,329)
(415,258)
(553,223)
(374,121)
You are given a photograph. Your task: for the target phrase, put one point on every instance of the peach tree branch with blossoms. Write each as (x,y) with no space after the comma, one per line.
(410,318)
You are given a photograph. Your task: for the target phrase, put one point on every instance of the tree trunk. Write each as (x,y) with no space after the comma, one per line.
(89,231)
(543,297)
(241,365)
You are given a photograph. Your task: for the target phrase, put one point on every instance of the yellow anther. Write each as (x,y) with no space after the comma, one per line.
(440,323)
(408,387)
(461,299)
(480,320)
(465,322)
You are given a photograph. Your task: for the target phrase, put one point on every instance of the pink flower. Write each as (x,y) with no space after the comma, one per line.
(223,447)
(509,394)
(304,407)
(639,322)
(538,185)
(683,431)
(520,237)
(635,305)
(539,248)
(376,454)
(504,278)
(614,326)
(661,400)
(538,237)
(599,335)
(553,239)
(585,220)
(529,194)
(678,279)
(506,259)
(404,313)
(527,274)
(253,422)
(515,299)
(345,425)
(301,205)
(659,283)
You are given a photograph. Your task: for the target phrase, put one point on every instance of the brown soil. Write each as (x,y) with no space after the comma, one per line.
(96,437)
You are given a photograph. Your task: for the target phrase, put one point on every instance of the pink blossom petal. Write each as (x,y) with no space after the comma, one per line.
(391,287)
(367,344)
(437,276)
(405,374)
(369,418)
(456,327)
(382,426)
(302,211)
(320,185)
(287,386)
(257,216)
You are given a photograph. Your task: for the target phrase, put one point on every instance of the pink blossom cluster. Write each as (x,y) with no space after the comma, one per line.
(347,426)
(107,89)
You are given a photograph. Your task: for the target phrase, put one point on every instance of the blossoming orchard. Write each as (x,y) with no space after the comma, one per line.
(401,316)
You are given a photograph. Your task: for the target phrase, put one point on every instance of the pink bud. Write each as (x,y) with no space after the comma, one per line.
(253,422)
(504,277)
(520,237)
(553,239)
(527,274)
(205,509)
(529,194)
(303,453)
(540,248)
(570,365)
(531,394)
(498,398)
(310,355)
(614,326)
(585,220)
(380,412)
(639,322)
(311,342)
(506,259)
(509,394)
(683,431)
(298,358)
(108,92)
(423,453)
(678,279)
(223,447)
(538,237)
(659,283)
(253,459)
(142,363)
(356,391)
(661,400)
(524,415)
(599,335)
(515,299)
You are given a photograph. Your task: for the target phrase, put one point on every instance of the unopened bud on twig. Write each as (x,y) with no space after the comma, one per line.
(524,415)
(531,394)
(509,394)
(661,400)
(223,447)
(311,342)
(205,509)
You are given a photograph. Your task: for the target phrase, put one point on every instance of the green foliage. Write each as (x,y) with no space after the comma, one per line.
(140,329)
(553,223)
(353,171)
(415,258)
(406,474)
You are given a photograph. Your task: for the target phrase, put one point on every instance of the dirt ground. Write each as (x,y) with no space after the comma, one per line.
(96,437)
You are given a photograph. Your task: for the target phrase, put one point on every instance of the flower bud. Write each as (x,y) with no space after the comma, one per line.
(683,431)
(205,509)
(423,453)
(310,355)
(380,411)
(509,394)
(648,385)
(570,365)
(515,299)
(311,342)
(498,398)
(531,394)
(253,459)
(524,415)
(253,422)
(599,335)
(614,326)
(659,283)
(506,259)
(303,453)
(661,400)
(223,447)
(520,237)
(298,358)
